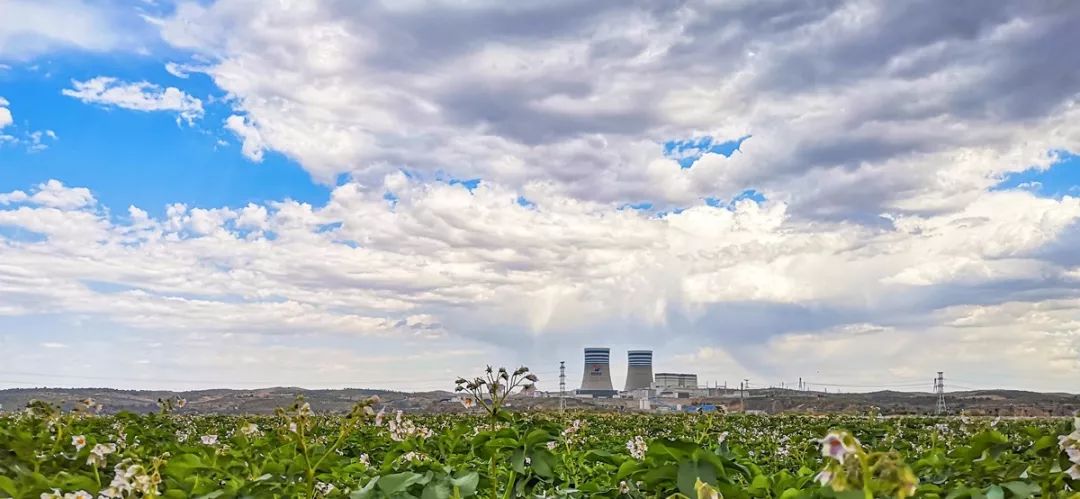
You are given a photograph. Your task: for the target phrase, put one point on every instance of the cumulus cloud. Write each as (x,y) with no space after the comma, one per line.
(31,27)
(252,144)
(876,136)
(52,194)
(757,287)
(5,114)
(138,96)
(853,107)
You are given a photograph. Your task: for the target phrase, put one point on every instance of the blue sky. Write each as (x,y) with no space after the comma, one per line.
(319,202)
(141,158)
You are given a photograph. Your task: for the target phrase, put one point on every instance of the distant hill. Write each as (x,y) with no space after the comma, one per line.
(265,400)
(220,401)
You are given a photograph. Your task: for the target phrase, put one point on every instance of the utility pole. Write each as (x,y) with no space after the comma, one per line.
(939,389)
(562,385)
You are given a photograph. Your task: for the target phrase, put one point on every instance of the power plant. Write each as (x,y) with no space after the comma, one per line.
(596,380)
(639,373)
(676,380)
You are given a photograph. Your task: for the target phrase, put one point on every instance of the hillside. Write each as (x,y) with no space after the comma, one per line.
(264,401)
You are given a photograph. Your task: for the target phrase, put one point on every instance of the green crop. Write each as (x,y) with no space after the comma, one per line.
(494,453)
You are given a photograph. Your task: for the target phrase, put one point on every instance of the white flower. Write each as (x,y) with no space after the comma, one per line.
(292,427)
(364,459)
(1074,472)
(79,441)
(551,445)
(80,494)
(98,453)
(379,416)
(720,439)
(824,477)
(637,447)
(623,487)
(1074,454)
(833,446)
(180,403)
(209,439)
(55,494)
(250,429)
(413,456)
(324,488)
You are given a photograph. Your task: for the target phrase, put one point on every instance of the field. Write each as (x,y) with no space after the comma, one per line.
(498,454)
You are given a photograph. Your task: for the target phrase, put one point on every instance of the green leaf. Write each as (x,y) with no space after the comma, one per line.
(627,468)
(212,495)
(502,443)
(366,491)
(543,463)
(436,490)
(537,437)
(8,486)
(398,482)
(466,484)
(690,472)
(995,492)
(1022,489)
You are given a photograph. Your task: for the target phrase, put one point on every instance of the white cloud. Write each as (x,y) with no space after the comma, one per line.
(5,114)
(138,96)
(445,265)
(31,27)
(177,70)
(848,113)
(877,133)
(53,194)
(252,142)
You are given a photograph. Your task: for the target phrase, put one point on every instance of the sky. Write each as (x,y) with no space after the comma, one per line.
(328,193)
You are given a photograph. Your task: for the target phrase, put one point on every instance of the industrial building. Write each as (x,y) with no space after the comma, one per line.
(596,380)
(639,373)
(676,380)
(640,381)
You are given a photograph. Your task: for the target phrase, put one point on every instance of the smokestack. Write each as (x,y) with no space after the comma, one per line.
(638,369)
(597,374)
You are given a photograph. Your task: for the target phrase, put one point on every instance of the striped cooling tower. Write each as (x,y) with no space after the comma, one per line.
(597,374)
(638,369)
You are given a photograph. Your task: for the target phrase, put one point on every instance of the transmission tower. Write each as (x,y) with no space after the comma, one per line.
(562,385)
(939,390)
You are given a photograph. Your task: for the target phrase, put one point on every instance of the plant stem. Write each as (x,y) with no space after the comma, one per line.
(510,484)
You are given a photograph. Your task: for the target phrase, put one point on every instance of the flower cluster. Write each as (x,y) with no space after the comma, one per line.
(323,489)
(98,454)
(637,447)
(850,467)
(491,390)
(413,456)
(132,479)
(1070,444)
(401,429)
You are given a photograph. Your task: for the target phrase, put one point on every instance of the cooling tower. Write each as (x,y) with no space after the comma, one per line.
(597,376)
(638,369)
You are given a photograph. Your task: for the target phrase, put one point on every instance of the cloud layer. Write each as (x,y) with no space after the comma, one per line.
(414,261)
(520,180)
(853,107)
